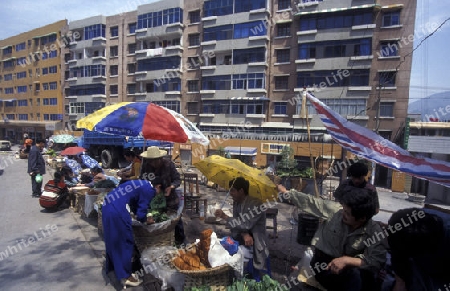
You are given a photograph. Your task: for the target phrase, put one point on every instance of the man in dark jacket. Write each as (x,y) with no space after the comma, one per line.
(36,165)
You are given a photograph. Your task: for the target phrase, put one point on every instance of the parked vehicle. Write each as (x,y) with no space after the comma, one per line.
(5,145)
(109,148)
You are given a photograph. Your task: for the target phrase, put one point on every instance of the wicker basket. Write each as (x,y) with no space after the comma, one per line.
(218,278)
(151,235)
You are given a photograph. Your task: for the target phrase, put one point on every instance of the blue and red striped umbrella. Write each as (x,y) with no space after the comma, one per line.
(141,118)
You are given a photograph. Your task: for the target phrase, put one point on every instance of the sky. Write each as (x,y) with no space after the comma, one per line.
(430,72)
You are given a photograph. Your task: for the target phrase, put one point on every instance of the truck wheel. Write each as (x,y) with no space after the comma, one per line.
(106,159)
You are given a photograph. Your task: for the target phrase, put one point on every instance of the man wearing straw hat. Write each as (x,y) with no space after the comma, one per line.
(154,165)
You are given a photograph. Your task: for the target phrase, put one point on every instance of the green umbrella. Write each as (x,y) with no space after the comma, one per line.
(63,138)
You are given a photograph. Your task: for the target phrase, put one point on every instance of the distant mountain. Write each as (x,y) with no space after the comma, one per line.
(433,106)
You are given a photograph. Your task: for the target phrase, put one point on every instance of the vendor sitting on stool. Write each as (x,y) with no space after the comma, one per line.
(248,226)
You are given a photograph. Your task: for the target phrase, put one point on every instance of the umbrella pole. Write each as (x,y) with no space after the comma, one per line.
(228,194)
(225,199)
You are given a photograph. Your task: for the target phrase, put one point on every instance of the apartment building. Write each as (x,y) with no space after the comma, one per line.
(31,99)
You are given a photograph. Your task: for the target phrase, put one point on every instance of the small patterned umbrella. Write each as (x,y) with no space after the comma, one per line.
(63,138)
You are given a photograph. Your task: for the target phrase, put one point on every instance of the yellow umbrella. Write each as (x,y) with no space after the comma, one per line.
(221,170)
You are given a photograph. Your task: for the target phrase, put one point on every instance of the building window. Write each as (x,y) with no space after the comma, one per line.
(132,28)
(281,82)
(387,79)
(159,18)
(280,108)
(391,18)
(131,68)
(306,51)
(248,5)
(194,39)
(21,75)
(387,109)
(114,70)
(23,116)
(94,31)
(131,88)
(216,82)
(194,16)
(222,32)
(193,85)
(334,51)
(173,105)
(284,4)
(44,71)
(388,49)
(21,89)
(192,108)
(76,107)
(284,29)
(249,81)
(248,29)
(245,56)
(20,46)
(22,103)
(283,56)
(363,47)
(344,106)
(337,20)
(8,77)
(114,31)
(9,90)
(218,7)
(114,89)
(162,63)
(132,48)
(7,50)
(53,69)
(248,107)
(114,51)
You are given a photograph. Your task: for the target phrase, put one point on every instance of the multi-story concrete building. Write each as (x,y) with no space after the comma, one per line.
(236,68)
(31,99)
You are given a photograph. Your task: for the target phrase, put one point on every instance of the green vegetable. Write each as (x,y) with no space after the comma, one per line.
(158,202)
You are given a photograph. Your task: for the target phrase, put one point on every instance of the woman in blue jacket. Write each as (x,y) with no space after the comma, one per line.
(117,227)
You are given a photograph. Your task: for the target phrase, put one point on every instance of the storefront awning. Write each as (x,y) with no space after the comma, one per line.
(337,9)
(9,100)
(6,46)
(241,151)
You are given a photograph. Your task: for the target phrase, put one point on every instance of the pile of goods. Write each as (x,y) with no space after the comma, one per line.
(158,208)
(196,257)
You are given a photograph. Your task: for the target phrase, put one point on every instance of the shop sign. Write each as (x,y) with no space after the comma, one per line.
(273,148)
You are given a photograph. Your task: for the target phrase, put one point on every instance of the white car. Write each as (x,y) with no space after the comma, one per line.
(5,145)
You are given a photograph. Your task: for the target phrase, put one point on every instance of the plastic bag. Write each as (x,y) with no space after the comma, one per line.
(230,245)
(218,256)
(38,178)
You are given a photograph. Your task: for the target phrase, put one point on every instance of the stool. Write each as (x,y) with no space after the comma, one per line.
(189,179)
(192,203)
(271,213)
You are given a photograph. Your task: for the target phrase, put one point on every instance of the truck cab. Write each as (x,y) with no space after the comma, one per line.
(109,148)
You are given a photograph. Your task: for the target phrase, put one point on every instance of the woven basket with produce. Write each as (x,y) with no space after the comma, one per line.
(162,232)
(201,264)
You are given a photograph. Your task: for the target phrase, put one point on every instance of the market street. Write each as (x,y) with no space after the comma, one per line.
(41,250)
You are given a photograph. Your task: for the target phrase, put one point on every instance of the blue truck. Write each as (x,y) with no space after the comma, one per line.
(109,148)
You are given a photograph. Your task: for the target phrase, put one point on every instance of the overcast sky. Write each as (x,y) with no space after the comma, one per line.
(430,73)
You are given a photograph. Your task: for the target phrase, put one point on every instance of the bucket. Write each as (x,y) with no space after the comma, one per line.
(307,226)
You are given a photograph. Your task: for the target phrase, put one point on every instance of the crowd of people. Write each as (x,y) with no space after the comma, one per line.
(343,259)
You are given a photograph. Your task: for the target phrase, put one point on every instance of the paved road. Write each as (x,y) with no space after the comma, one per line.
(62,251)
(41,250)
